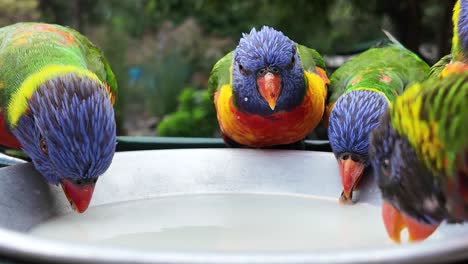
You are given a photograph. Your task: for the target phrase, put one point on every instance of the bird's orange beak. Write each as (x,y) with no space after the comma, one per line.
(395,222)
(79,196)
(350,172)
(269,87)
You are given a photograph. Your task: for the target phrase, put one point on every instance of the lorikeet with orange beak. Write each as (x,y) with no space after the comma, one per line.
(269,91)
(420,157)
(56,104)
(420,150)
(361,90)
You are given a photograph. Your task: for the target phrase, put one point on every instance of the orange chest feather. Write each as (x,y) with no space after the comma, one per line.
(454,67)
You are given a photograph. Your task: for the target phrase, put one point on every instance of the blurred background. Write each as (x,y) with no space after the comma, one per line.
(162,51)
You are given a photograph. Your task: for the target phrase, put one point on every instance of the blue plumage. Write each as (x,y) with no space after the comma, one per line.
(73,119)
(463,26)
(260,49)
(352,119)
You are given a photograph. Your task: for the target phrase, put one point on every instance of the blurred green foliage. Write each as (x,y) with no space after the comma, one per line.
(13,10)
(173,44)
(195,116)
(169,72)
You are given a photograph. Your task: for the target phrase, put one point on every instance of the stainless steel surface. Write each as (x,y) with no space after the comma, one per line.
(6,160)
(26,200)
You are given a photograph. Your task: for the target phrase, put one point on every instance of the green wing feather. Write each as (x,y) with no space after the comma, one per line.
(439,66)
(446,104)
(310,58)
(433,116)
(96,61)
(388,69)
(220,74)
(33,46)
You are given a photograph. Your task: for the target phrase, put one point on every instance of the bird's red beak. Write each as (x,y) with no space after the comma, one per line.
(395,222)
(79,196)
(269,86)
(350,172)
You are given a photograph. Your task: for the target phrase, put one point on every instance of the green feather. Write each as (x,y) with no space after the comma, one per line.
(26,48)
(446,103)
(96,61)
(439,66)
(367,70)
(220,74)
(433,116)
(310,58)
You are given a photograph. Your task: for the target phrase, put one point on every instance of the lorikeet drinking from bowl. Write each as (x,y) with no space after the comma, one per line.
(361,90)
(420,150)
(420,157)
(56,104)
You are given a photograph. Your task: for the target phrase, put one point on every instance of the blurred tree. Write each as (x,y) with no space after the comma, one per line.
(12,11)
(78,14)
(195,116)
(445,28)
(415,21)
(174,43)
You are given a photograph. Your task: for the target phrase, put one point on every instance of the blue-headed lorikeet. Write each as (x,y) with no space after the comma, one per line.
(361,90)
(56,104)
(420,150)
(269,91)
(420,156)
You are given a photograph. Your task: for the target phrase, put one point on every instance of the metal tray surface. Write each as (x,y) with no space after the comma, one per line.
(26,200)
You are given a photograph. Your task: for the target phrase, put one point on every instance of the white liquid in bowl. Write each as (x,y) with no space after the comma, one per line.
(224,222)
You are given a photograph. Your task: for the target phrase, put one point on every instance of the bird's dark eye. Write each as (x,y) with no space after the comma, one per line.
(385,167)
(274,70)
(43,145)
(261,72)
(243,70)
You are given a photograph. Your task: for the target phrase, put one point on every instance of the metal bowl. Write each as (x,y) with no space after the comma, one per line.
(26,201)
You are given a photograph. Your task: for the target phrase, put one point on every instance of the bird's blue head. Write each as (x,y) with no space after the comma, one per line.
(352,118)
(463,26)
(412,196)
(69,132)
(267,73)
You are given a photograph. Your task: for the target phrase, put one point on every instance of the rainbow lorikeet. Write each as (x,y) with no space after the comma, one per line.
(269,91)
(361,90)
(420,150)
(56,104)
(420,156)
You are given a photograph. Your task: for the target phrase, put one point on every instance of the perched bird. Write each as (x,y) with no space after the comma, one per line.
(269,91)
(361,90)
(420,156)
(56,104)
(420,152)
